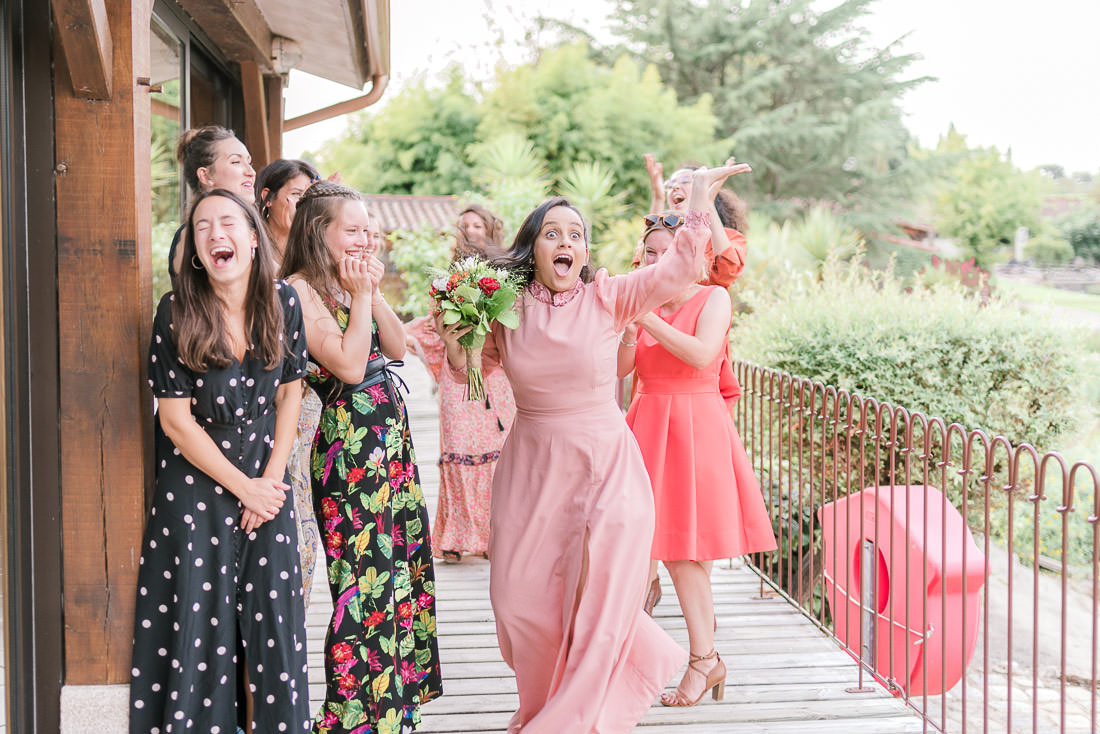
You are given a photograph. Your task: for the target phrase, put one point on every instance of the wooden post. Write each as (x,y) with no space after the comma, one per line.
(255,114)
(105,317)
(273,90)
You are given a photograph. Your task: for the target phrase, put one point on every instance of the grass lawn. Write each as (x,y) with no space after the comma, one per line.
(1044,294)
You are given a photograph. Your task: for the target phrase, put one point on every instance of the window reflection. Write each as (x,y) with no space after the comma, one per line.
(167,53)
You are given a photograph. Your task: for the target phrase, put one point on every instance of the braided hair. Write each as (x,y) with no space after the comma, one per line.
(307,253)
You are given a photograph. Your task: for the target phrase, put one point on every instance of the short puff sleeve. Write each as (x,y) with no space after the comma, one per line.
(168,377)
(294,332)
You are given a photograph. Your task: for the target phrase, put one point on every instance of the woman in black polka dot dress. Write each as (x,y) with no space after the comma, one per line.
(220,636)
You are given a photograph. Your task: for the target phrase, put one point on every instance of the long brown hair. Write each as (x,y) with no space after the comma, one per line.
(494,234)
(200,330)
(307,253)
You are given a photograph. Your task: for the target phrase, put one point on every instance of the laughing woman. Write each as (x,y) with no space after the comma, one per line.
(381,657)
(219,584)
(572,511)
(210,157)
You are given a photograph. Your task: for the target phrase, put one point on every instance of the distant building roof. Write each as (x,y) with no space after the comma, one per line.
(410,212)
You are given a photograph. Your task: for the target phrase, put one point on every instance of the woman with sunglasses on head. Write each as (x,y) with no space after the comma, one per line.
(470,432)
(572,513)
(381,655)
(726,256)
(211,157)
(708,503)
(726,250)
(218,613)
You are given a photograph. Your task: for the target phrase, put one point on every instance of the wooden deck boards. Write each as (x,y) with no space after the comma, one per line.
(784,675)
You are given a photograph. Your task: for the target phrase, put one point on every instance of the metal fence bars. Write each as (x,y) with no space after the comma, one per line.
(959,569)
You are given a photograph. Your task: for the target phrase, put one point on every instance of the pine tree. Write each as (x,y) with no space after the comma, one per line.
(796,91)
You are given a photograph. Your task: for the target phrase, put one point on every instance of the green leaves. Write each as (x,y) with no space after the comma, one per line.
(373,584)
(340,574)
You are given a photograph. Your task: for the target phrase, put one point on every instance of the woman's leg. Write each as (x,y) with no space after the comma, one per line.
(692,582)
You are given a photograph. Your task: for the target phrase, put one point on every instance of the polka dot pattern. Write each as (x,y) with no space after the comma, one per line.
(196,562)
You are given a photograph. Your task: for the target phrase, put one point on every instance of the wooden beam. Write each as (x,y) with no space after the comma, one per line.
(273,90)
(81,27)
(104,285)
(255,114)
(237,27)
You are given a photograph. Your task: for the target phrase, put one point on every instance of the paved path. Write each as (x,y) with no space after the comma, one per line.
(784,675)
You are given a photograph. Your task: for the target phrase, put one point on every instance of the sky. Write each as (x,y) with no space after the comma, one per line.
(1016,74)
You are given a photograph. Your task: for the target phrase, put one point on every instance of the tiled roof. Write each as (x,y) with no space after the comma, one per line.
(409,212)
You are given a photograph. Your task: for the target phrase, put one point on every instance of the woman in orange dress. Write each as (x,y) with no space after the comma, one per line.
(708,503)
(470,432)
(726,254)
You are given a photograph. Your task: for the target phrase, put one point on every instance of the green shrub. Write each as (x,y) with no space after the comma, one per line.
(162,241)
(614,247)
(1046,249)
(415,253)
(1082,230)
(934,350)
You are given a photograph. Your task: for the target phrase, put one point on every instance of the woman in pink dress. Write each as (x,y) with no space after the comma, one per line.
(707,500)
(470,432)
(572,511)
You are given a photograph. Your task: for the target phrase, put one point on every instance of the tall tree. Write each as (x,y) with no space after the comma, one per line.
(575,109)
(985,198)
(797,91)
(416,144)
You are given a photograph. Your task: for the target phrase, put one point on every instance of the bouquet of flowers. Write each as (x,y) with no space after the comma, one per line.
(474,293)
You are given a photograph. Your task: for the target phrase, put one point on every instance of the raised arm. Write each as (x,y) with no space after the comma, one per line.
(630,295)
(343,353)
(701,348)
(656,174)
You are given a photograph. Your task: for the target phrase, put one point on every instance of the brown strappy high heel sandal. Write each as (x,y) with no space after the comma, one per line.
(652,597)
(716,680)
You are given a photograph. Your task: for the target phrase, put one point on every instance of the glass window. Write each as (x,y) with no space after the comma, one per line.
(167,53)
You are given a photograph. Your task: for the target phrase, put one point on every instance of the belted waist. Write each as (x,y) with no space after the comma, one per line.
(678,385)
(377,371)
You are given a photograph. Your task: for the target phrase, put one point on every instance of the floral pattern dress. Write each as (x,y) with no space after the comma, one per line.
(301,482)
(471,433)
(381,654)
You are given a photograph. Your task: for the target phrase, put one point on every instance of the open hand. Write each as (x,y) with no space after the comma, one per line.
(730,165)
(702,179)
(655,170)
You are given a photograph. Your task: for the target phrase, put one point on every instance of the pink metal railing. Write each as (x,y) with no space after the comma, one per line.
(1023,548)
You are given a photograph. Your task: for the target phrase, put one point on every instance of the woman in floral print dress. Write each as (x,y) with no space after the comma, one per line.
(471,432)
(381,657)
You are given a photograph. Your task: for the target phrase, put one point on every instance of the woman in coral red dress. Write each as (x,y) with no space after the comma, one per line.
(470,432)
(708,503)
(572,513)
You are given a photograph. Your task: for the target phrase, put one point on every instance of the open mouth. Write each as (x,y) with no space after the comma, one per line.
(221,255)
(563,263)
(676,198)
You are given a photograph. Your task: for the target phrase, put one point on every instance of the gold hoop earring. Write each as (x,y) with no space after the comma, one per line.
(196,263)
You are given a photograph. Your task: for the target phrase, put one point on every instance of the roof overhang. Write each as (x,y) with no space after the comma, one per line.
(345,41)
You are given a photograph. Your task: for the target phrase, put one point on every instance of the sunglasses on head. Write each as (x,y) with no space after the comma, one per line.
(668,221)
